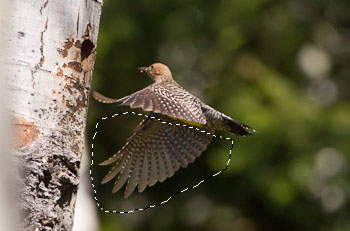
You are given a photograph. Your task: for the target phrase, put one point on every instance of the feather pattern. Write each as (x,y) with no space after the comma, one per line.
(168,99)
(155,152)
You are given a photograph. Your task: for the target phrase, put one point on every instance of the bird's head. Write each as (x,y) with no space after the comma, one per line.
(158,72)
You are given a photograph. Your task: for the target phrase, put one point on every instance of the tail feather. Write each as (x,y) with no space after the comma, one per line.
(237,128)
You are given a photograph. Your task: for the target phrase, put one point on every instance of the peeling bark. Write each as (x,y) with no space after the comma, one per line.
(25,132)
(51,48)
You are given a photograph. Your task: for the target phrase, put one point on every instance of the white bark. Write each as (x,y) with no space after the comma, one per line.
(7,210)
(51,48)
(85,218)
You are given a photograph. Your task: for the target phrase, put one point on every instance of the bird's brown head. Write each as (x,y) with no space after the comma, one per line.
(158,72)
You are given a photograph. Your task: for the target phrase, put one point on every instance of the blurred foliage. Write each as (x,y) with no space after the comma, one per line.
(280,66)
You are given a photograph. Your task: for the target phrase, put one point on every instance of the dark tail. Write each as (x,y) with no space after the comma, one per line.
(236,127)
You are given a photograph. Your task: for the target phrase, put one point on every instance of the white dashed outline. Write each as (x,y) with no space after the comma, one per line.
(165,201)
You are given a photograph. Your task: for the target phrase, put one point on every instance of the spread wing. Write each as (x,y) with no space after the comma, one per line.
(175,103)
(153,153)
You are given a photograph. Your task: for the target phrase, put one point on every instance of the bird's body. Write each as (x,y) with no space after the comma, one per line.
(156,150)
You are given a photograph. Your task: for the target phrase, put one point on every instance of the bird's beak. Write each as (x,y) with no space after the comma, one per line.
(144,69)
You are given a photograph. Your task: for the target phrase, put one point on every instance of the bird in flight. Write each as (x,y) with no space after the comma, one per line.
(157,150)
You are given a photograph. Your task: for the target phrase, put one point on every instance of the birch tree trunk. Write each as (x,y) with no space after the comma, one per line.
(7,210)
(51,47)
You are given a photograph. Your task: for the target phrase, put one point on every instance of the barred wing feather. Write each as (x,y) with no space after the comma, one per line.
(154,152)
(180,104)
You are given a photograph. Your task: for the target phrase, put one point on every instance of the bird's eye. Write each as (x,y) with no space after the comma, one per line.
(152,67)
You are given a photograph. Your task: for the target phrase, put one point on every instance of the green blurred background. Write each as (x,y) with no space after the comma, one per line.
(282,67)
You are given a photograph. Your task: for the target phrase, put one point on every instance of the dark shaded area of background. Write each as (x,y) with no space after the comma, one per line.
(282,67)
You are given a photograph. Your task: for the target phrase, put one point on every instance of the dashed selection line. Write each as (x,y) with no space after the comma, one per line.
(172,196)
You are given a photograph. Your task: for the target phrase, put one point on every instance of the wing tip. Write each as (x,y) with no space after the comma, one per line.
(106,162)
(103,99)
(105,180)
